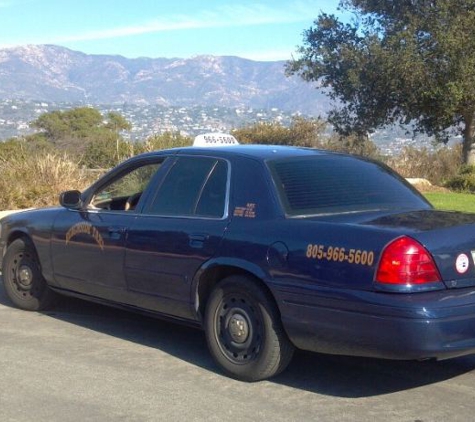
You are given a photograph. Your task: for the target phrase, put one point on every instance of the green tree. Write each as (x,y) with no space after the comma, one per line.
(86,132)
(398,61)
(77,123)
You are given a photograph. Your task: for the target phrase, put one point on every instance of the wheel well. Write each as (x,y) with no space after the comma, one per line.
(18,235)
(213,276)
(14,236)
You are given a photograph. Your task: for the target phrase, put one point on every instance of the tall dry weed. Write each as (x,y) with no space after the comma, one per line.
(36,180)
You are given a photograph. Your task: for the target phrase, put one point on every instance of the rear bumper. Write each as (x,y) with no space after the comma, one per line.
(436,325)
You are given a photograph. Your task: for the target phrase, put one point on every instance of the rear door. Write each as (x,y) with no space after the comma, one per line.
(181,227)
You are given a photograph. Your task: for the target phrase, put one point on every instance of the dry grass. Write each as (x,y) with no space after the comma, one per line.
(35,180)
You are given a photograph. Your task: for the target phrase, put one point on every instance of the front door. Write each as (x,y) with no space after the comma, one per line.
(88,249)
(88,245)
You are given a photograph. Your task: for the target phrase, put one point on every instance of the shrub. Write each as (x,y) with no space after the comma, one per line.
(436,166)
(312,133)
(163,141)
(464,181)
(301,132)
(107,152)
(351,144)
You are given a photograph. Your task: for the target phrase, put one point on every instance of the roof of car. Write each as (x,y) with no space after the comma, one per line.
(262,152)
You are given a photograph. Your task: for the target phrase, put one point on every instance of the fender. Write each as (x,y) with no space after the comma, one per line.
(37,226)
(231,263)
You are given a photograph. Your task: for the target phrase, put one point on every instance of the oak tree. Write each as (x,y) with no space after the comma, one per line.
(76,123)
(396,61)
(85,132)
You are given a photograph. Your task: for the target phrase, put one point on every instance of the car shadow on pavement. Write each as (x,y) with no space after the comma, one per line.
(353,377)
(338,376)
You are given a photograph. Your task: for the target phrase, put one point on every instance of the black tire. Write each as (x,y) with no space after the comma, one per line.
(24,284)
(244,331)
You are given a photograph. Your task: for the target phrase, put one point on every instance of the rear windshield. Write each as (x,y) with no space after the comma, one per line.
(337,183)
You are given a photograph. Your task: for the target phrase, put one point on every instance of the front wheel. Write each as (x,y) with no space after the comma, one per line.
(22,279)
(244,332)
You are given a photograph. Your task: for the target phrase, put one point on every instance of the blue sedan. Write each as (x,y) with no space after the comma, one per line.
(266,248)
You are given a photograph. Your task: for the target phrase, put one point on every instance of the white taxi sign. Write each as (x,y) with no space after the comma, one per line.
(215,140)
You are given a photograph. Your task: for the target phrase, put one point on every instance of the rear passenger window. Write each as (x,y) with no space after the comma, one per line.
(332,184)
(213,197)
(194,186)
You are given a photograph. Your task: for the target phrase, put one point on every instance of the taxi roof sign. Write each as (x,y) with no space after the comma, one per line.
(215,140)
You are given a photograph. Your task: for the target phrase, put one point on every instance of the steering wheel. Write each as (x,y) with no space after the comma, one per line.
(132,201)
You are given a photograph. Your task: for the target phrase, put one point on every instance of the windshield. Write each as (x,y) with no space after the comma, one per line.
(327,184)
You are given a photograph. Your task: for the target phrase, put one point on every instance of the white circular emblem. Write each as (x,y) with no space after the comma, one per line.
(461,264)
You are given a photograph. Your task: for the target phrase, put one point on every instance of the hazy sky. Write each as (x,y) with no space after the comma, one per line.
(259,29)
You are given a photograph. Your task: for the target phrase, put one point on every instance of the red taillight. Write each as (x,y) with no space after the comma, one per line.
(406,261)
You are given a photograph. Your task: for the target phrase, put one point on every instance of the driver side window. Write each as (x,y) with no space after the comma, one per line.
(123,194)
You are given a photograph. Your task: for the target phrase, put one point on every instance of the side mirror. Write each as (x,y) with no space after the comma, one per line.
(71,199)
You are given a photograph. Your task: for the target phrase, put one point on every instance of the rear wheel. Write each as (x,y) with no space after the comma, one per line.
(244,331)
(22,279)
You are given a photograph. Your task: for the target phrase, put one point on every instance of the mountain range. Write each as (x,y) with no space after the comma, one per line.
(57,74)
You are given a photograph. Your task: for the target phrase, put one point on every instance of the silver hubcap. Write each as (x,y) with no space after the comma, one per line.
(238,328)
(25,276)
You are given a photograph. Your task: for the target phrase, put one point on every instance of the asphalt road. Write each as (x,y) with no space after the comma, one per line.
(84,362)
